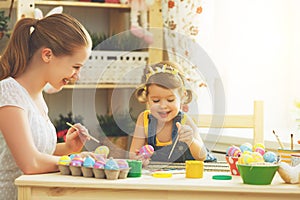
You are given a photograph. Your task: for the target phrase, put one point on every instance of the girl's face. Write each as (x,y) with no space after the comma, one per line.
(67,68)
(164,103)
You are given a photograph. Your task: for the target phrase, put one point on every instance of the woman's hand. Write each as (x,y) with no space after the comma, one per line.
(185,133)
(76,137)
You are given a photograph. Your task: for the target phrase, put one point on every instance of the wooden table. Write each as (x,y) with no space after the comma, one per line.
(56,186)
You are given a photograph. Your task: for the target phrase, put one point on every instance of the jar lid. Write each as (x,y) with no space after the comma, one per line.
(162,174)
(222,177)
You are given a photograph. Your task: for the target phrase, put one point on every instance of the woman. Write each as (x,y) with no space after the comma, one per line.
(50,50)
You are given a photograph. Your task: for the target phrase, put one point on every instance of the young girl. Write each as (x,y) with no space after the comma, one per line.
(51,50)
(164,92)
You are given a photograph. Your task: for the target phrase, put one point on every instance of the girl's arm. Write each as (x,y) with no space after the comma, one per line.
(17,134)
(139,137)
(189,134)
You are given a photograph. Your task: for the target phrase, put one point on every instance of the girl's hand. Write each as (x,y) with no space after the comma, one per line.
(185,133)
(145,161)
(75,139)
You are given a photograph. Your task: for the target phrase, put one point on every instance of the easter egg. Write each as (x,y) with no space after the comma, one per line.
(122,163)
(270,157)
(76,161)
(247,152)
(111,164)
(246,147)
(146,151)
(233,151)
(103,150)
(260,145)
(260,150)
(99,164)
(72,156)
(64,160)
(246,159)
(257,157)
(88,162)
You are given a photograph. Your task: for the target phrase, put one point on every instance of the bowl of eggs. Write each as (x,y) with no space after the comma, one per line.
(254,164)
(257,169)
(257,174)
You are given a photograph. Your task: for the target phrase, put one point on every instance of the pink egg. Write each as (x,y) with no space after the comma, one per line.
(146,151)
(234,151)
(260,150)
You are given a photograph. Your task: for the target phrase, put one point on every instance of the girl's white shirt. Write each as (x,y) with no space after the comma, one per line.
(42,129)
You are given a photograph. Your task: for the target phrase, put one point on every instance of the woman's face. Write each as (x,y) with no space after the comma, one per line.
(67,68)
(164,103)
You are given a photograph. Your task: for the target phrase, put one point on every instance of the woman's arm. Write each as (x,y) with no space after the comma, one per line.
(17,134)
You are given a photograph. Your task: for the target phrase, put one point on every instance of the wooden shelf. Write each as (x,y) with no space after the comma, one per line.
(82,4)
(99,86)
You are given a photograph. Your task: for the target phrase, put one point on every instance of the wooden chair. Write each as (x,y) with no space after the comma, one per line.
(254,121)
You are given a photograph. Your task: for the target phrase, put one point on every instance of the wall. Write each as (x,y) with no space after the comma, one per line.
(255,44)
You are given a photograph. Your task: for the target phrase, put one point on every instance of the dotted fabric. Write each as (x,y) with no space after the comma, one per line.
(43,132)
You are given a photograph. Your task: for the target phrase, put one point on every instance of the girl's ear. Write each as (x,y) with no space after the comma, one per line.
(187,97)
(47,54)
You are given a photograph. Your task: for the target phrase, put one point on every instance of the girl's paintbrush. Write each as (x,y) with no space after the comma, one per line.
(84,133)
(173,147)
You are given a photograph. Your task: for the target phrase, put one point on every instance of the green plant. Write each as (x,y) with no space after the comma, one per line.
(97,38)
(60,123)
(3,23)
(119,42)
(114,126)
(62,127)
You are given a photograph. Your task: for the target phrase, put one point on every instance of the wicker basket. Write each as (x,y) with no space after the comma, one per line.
(117,67)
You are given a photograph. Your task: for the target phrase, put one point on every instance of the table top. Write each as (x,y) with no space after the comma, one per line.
(148,182)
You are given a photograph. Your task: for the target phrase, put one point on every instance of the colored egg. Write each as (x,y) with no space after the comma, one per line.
(76,161)
(247,152)
(64,160)
(146,151)
(111,164)
(103,150)
(72,156)
(257,157)
(260,145)
(246,159)
(99,164)
(234,151)
(260,150)
(123,164)
(88,162)
(270,157)
(246,147)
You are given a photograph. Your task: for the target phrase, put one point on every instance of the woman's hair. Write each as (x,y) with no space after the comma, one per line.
(59,32)
(165,74)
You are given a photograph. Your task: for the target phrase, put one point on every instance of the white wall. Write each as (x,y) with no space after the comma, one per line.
(255,46)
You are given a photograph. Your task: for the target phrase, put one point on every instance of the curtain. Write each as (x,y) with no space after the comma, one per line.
(181,20)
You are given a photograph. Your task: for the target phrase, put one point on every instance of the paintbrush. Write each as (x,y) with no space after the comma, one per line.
(84,133)
(278,140)
(173,147)
(292,141)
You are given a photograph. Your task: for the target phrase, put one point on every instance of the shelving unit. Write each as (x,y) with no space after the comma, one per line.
(24,8)
(115,18)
